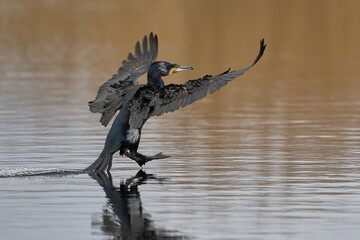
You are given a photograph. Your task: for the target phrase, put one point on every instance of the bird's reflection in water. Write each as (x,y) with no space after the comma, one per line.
(123,217)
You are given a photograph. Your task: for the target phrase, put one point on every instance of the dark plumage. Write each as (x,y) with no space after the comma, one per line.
(137,102)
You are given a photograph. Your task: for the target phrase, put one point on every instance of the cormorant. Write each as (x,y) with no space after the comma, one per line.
(138,102)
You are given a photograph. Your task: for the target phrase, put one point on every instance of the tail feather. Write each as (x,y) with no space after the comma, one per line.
(102,164)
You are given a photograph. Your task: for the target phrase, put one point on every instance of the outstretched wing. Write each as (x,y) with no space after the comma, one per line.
(149,101)
(113,93)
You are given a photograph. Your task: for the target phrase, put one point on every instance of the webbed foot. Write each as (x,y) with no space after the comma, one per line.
(142,159)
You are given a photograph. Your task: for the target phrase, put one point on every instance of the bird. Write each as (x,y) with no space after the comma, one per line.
(136,103)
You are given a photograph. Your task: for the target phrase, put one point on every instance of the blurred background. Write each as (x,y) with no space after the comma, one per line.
(275,154)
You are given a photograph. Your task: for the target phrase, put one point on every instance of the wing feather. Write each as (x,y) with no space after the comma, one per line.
(150,101)
(145,48)
(113,93)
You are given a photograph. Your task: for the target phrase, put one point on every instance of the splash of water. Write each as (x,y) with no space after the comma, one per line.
(22,172)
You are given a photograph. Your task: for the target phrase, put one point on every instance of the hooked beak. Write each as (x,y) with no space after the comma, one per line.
(180,68)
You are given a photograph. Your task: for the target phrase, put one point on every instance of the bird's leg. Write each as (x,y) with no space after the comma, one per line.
(142,159)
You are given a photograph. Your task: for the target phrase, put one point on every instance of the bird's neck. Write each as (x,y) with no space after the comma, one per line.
(155,80)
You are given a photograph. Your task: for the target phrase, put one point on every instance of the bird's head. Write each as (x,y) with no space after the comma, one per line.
(167,68)
(160,68)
